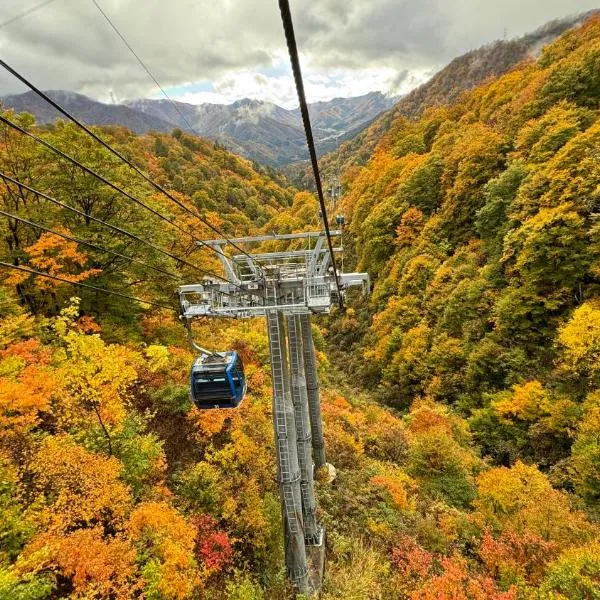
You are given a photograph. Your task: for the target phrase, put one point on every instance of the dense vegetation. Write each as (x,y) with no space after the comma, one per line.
(479,222)
(231,194)
(481,478)
(445,87)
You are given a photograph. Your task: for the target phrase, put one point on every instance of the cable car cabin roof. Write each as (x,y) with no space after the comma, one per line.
(215,363)
(218,381)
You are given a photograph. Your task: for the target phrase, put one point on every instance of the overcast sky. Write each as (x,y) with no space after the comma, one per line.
(224,50)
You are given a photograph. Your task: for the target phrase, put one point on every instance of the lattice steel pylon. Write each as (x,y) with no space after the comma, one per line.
(287,288)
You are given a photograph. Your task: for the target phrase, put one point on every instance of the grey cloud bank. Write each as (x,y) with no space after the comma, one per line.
(68,44)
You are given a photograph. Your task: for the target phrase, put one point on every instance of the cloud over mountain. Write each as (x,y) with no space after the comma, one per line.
(185,42)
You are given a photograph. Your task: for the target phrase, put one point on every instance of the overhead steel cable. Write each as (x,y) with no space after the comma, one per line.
(288,27)
(104,180)
(25,13)
(88,244)
(84,285)
(145,67)
(118,154)
(115,228)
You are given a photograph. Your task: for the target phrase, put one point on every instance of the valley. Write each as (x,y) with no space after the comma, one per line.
(460,397)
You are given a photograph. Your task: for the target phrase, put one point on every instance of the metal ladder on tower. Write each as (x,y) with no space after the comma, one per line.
(286,445)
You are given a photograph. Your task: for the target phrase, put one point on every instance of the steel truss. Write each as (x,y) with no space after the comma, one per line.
(286,287)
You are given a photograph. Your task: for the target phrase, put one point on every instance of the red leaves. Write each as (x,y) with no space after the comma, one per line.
(411,560)
(213,547)
(524,555)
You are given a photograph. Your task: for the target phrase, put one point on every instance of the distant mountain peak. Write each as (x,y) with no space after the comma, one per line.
(258,129)
(250,102)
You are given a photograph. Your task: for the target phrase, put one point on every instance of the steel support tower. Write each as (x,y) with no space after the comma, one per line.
(286,287)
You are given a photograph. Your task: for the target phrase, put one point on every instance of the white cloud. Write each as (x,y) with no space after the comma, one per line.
(319,86)
(349,46)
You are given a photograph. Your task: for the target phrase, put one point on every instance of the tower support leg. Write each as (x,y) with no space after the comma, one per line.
(287,455)
(312,535)
(312,389)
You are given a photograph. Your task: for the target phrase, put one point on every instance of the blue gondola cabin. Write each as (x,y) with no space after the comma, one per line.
(218,381)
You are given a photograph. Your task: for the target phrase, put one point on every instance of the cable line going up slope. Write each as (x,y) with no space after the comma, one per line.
(77,240)
(118,154)
(288,27)
(7,179)
(83,285)
(104,180)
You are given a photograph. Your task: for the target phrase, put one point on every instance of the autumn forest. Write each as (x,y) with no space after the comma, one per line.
(461,399)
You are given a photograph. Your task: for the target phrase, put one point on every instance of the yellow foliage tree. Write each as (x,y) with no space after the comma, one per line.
(527,402)
(522,499)
(166,541)
(96,379)
(73,488)
(580,339)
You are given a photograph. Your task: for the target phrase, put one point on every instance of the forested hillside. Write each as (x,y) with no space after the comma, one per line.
(461,401)
(459,76)
(111,486)
(226,189)
(479,223)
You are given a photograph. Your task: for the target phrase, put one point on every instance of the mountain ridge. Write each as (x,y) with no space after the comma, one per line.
(460,75)
(259,130)
(246,122)
(94,112)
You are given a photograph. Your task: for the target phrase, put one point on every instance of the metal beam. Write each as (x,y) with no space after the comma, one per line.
(287,455)
(312,388)
(270,237)
(284,255)
(303,431)
(226,262)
